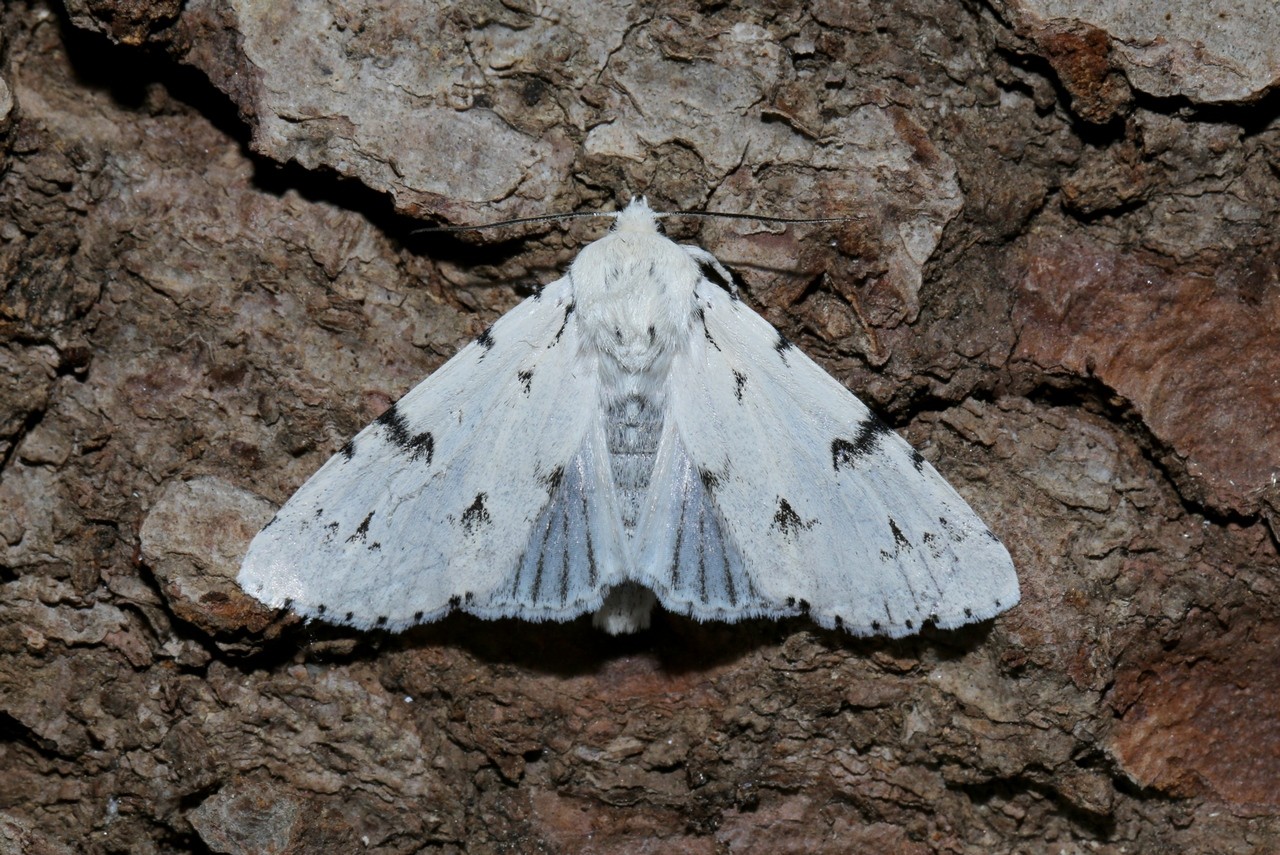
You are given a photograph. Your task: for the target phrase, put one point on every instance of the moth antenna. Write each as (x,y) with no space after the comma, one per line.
(760,218)
(518,221)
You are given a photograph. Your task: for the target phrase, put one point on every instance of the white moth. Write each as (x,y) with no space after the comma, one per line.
(631,432)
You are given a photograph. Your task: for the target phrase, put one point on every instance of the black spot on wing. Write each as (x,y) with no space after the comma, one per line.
(917,460)
(485,339)
(320,609)
(272,522)
(898,537)
(653,334)
(568,312)
(526,379)
(552,481)
(348,449)
(788,522)
(454,602)
(417,445)
(847,452)
(675,557)
(362,530)
(475,515)
(782,345)
(739,381)
(730,589)
(710,480)
(417,617)
(381,621)
(711,274)
(702,318)
(591,549)
(288,604)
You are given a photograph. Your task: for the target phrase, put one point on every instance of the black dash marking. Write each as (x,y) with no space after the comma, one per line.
(886,555)
(454,602)
(791,602)
(591,549)
(675,558)
(702,563)
(319,511)
(468,597)
(875,624)
(709,480)
(710,273)
(381,621)
(417,446)
(804,606)
(568,310)
(526,379)
(968,613)
(288,603)
(417,617)
(728,578)
(910,625)
(997,604)
(917,460)
(552,481)
(739,381)
(898,537)
(564,564)
(350,615)
(846,453)
(617,333)
(332,529)
(653,334)
(839,622)
(271,522)
(361,530)
(475,515)
(782,345)
(348,449)
(787,521)
(991,535)
(375,547)
(702,317)
(542,559)
(485,339)
(320,609)
(653,271)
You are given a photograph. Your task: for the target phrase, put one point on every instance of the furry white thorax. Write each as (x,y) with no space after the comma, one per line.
(634,295)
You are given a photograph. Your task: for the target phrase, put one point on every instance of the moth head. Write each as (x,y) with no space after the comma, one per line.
(636,217)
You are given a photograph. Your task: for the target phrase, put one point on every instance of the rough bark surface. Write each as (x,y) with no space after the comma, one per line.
(1062,284)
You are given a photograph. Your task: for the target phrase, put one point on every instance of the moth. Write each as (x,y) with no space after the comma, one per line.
(632,433)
